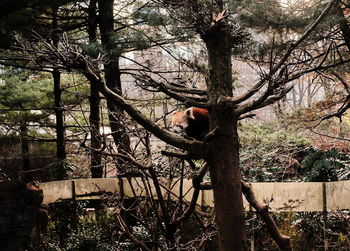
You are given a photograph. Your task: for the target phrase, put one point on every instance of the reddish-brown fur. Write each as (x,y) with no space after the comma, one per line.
(194,122)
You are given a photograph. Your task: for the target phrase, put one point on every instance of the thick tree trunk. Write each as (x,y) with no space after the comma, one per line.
(112,74)
(60,142)
(25,151)
(60,129)
(223,155)
(226,182)
(96,139)
(343,24)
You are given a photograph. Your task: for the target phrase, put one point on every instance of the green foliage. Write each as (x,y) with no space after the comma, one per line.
(275,24)
(75,89)
(274,15)
(21,90)
(330,165)
(92,49)
(24,92)
(150,15)
(89,237)
(270,153)
(71,228)
(270,136)
(140,41)
(268,15)
(306,230)
(27,102)
(267,151)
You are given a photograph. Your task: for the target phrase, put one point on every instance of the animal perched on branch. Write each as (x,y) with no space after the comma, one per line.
(194,122)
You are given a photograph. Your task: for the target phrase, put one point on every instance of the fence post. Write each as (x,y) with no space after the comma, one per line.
(252,240)
(75,206)
(324,216)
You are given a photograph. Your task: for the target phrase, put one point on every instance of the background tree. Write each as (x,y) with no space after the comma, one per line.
(42,17)
(24,102)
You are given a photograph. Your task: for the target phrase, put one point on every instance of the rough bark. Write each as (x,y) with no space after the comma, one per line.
(60,142)
(25,151)
(223,160)
(60,129)
(223,153)
(112,74)
(94,101)
(343,24)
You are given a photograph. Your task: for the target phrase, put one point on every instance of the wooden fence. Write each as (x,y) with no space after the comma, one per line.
(281,196)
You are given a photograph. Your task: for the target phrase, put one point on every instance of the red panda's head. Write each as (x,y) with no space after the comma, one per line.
(193,122)
(180,120)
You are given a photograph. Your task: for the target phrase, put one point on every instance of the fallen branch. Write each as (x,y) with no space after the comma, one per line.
(281,240)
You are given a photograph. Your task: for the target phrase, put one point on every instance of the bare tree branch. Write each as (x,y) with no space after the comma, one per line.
(176,93)
(282,61)
(346,103)
(193,146)
(281,240)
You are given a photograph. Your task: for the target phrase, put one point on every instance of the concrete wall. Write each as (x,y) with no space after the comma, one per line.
(293,196)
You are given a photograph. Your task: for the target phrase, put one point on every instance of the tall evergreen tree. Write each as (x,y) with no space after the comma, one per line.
(19,97)
(95,100)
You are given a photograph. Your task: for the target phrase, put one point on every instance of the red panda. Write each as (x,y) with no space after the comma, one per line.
(193,121)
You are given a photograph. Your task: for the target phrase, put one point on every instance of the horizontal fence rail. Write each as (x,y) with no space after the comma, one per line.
(281,196)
